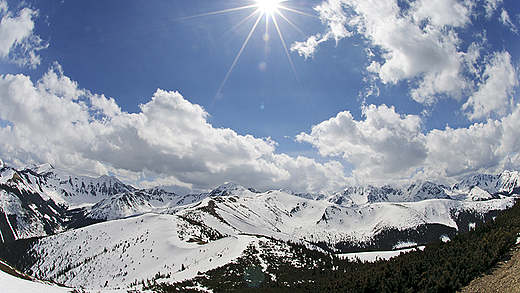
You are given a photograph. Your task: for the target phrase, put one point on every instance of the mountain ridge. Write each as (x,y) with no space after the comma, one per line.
(116,221)
(107,198)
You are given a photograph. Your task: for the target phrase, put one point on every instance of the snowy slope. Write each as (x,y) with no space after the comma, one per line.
(12,284)
(204,235)
(152,232)
(285,216)
(117,253)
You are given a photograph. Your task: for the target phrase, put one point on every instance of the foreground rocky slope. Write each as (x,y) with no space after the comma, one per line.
(503,277)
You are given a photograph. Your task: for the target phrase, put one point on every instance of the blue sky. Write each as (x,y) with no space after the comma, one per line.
(170,93)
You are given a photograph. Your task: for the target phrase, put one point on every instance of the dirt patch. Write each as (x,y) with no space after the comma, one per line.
(8,269)
(504,277)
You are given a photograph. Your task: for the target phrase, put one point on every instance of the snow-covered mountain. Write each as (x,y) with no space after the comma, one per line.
(152,231)
(40,201)
(24,212)
(231,188)
(334,227)
(484,186)
(72,191)
(361,195)
(137,202)
(472,188)
(179,243)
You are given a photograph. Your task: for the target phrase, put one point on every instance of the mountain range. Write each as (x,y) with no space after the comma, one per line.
(101,233)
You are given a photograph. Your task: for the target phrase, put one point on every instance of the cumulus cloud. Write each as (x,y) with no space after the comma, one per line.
(18,43)
(384,145)
(417,42)
(387,147)
(331,11)
(495,93)
(169,140)
(482,147)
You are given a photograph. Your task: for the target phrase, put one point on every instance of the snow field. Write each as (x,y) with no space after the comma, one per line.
(117,253)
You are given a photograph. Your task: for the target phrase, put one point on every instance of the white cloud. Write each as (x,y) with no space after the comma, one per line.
(387,147)
(491,6)
(495,93)
(309,47)
(417,41)
(169,140)
(18,44)
(442,12)
(506,21)
(331,11)
(482,147)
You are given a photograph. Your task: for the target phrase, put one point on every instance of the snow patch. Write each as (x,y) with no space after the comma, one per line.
(445,238)
(402,245)
(372,256)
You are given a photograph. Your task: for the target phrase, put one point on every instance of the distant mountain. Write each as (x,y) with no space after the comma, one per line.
(426,190)
(40,200)
(72,191)
(472,188)
(506,183)
(121,206)
(366,194)
(337,228)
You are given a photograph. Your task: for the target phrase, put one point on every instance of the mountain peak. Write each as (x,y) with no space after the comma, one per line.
(230,188)
(41,168)
(427,190)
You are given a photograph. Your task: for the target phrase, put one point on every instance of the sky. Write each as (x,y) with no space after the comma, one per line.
(309,96)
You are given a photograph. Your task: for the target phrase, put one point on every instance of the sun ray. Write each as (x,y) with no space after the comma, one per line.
(270,9)
(296,11)
(218,12)
(241,22)
(292,24)
(287,52)
(238,55)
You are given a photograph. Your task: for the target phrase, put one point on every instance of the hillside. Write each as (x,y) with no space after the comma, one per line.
(503,277)
(440,267)
(101,234)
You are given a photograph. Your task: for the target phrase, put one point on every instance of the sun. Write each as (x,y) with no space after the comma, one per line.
(268,6)
(271,11)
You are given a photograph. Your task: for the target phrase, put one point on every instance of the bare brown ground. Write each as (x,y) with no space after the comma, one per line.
(504,277)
